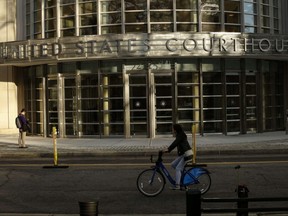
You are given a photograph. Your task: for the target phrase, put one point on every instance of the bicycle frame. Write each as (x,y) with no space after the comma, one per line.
(196,172)
(160,166)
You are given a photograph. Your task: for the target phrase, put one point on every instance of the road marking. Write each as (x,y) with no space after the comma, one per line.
(142,164)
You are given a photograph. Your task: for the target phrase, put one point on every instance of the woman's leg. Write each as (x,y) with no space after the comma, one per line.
(178,164)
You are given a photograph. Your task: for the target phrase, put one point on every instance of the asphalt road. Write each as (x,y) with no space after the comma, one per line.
(27,187)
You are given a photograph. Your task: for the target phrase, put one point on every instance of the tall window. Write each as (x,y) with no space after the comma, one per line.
(37,19)
(265,16)
(28,20)
(212,96)
(135,16)
(188,93)
(210,15)
(88,17)
(111,16)
(232,14)
(67,9)
(161,15)
(186,15)
(276,16)
(50,19)
(250,16)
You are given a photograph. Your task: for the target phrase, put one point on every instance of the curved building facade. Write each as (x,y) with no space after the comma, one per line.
(134,67)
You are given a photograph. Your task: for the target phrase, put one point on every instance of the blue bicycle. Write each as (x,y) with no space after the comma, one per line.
(151,182)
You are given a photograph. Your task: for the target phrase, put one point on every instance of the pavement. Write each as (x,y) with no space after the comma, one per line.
(137,215)
(214,144)
(255,214)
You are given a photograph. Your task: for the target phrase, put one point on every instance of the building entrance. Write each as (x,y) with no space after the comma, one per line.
(150,103)
(63,106)
(163,95)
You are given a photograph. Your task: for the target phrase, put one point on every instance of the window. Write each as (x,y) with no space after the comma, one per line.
(50,19)
(161,15)
(111,16)
(88,17)
(210,15)
(135,16)
(37,19)
(28,12)
(67,9)
(232,16)
(186,15)
(250,16)
(188,93)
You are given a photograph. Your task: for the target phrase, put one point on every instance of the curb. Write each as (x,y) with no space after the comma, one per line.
(139,153)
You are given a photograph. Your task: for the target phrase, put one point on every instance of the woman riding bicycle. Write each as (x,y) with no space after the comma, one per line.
(184,151)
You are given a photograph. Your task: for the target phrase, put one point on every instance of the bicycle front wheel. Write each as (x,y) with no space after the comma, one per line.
(203,184)
(150,182)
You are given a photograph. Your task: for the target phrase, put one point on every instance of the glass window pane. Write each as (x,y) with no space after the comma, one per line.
(135,4)
(186,16)
(166,16)
(186,4)
(135,17)
(161,4)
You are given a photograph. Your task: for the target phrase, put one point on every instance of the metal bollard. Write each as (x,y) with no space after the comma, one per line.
(88,208)
(193,203)
(242,192)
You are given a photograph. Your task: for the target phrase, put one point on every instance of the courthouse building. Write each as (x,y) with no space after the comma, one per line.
(107,68)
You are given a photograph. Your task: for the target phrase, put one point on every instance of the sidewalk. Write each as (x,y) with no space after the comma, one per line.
(261,143)
(222,214)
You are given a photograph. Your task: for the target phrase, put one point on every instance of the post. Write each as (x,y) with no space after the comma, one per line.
(194,143)
(54,137)
(54,134)
(242,191)
(287,121)
(193,203)
(89,208)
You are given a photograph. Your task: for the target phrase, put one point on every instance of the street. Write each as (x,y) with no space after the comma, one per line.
(27,187)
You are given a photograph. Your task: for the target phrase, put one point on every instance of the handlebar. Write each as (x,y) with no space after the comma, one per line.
(159,159)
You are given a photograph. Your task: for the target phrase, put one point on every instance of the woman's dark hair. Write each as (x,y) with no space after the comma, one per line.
(23,110)
(178,128)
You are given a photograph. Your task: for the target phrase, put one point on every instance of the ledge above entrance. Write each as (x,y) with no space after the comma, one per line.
(144,45)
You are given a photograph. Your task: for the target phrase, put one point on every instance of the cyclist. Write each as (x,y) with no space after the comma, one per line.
(184,151)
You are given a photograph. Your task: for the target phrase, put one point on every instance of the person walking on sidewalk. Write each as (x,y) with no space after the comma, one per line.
(184,151)
(23,129)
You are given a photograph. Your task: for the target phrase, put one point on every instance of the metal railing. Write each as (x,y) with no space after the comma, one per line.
(194,204)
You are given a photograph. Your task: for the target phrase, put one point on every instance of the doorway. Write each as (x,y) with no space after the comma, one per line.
(150,103)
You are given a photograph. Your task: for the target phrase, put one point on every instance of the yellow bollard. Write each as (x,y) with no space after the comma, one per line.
(54,134)
(194,143)
(54,137)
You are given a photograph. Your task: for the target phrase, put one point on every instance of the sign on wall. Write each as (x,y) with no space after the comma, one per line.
(143,46)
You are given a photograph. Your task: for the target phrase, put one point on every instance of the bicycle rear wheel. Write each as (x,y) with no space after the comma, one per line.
(150,182)
(203,183)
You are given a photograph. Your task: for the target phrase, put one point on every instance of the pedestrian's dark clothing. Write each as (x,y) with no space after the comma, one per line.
(181,143)
(184,152)
(24,123)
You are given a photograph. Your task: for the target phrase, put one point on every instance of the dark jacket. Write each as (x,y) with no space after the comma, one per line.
(24,123)
(181,143)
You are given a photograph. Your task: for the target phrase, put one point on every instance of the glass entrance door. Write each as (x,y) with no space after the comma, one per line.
(70,106)
(233,102)
(163,102)
(138,101)
(150,104)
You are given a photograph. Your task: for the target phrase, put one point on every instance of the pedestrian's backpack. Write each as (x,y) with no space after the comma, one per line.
(18,122)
